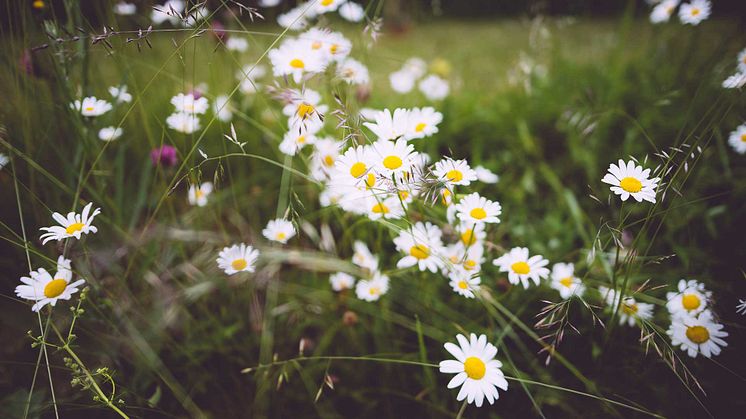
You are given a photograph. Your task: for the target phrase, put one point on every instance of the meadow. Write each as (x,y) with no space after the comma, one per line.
(160,328)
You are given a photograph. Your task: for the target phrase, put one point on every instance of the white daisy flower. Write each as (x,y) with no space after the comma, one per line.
(197,195)
(393,157)
(402,81)
(454,172)
(520,267)
(125,9)
(188,104)
(423,123)
(90,106)
(341,281)
(305,111)
(293,141)
(631,180)
(237,258)
(695,12)
(477,371)
(463,260)
(737,139)
(388,126)
(237,43)
(389,207)
(565,281)
(434,87)
(477,209)
(662,11)
(356,164)
(324,158)
(351,12)
(45,289)
(735,81)
(690,300)
(484,175)
(363,257)
(372,289)
(183,122)
(109,133)
(465,285)
(422,244)
(336,47)
(279,230)
(326,6)
(119,94)
(71,226)
(296,18)
(415,66)
(295,60)
(701,335)
(248,77)
(222,108)
(471,234)
(631,311)
(353,71)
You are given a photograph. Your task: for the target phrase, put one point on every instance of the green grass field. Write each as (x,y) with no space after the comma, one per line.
(546,103)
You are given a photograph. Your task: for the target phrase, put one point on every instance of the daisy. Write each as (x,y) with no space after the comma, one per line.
(565,281)
(169,11)
(341,281)
(189,104)
(454,172)
(463,260)
(393,157)
(222,108)
(45,289)
(471,233)
(120,94)
(477,371)
(305,110)
(415,66)
(372,289)
(293,59)
(124,9)
(353,71)
(421,244)
(71,226)
(183,122)
(294,141)
(662,12)
(90,106)
(356,164)
(296,18)
(630,311)
(324,158)
(735,81)
(237,258)
(737,139)
(325,6)
(484,175)
(389,207)
(423,123)
(434,88)
(198,194)
(701,335)
(695,12)
(402,81)
(388,126)
(236,43)
(363,257)
(465,285)
(520,267)
(279,230)
(690,300)
(109,133)
(351,11)
(631,180)
(477,209)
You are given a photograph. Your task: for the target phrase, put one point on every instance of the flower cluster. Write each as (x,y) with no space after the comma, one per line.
(433,86)
(692,13)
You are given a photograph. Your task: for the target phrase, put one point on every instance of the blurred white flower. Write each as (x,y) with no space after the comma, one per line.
(236,43)
(198,194)
(183,122)
(695,12)
(109,133)
(90,106)
(120,94)
(352,11)
(434,87)
(125,9)
(737,139)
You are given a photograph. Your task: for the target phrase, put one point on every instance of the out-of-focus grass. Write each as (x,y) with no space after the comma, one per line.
(178,332)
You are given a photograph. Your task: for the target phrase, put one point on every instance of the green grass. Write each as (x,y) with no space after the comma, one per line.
(177,333)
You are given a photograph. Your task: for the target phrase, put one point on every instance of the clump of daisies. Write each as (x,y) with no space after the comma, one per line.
(303,14)
(690,13)
(187,107)
(433,86)
(693,326)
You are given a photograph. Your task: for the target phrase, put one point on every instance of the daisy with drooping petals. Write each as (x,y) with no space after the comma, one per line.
(737,139)
(295,60)
(90,106)
(565,281)
(183,122)
(372,289)
(341,281)
(388,126)
(690,300)
(465,285)
(189,104)
(393,157)
(71,226)
(454,172)
(520,267)
(421,244)
(631,180)
(198,194)
(46,289)
(423,122)
(477,209)
(695,12)
(363,257)
(700,335)
(477,371)
(279,230)
(237,258)
(434,87)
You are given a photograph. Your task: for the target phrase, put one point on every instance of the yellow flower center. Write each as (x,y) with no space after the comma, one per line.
(690,302)
(380,209)
(38,4)
(566,281)
(305,110)
(373,291)
(54,288)
(631,185)
(446,194)
(326,2)
(72,228)
(392,162)
(420,127)
(89,108)
(521,268)
(333,49)
(629,309)
(454,175)
(239,264)
(370,181)
(403,195)
(296,63)
(358,169)
(198,193)
(463,284)
(474,368)
(470,264)
(329,161)
(743,138)
(697,334)
(280,236)
(478,213)
(695,12)
(316,45)
(301,139)
(420,251)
